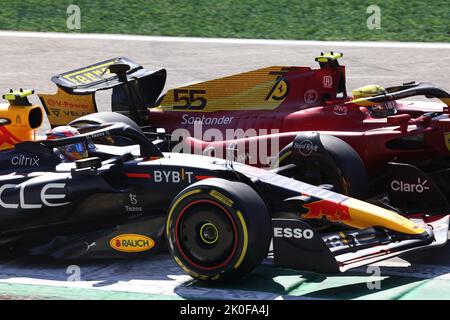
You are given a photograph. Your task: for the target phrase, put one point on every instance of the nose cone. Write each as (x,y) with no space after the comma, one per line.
(363,215)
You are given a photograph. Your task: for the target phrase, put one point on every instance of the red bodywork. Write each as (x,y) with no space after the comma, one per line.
(316,100)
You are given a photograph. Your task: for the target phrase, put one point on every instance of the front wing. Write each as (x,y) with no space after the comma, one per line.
(297,245)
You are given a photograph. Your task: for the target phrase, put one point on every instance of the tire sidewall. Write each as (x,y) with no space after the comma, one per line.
(250,218)
(343,160)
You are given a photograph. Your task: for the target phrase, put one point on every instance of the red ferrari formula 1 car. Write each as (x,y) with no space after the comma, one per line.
(359,144)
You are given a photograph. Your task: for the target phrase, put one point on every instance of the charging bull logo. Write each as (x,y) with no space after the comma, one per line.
(324,208)
(131,243)
(7,139)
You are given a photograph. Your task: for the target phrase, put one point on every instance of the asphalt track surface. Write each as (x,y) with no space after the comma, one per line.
(30,61)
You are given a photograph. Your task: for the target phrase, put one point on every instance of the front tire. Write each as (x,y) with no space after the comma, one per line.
(218,230)
(337,164)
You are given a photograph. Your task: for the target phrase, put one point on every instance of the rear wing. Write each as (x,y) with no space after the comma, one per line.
(135,89)
(94,77)
(76,89)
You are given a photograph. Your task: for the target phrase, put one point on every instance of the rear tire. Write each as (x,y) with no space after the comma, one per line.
(218,230)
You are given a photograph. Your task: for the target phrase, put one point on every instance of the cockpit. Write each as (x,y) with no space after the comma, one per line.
(379,110)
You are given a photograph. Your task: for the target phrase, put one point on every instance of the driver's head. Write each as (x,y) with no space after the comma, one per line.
(70,152)
(379,110)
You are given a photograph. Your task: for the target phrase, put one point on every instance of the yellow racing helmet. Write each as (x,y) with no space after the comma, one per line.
(368,91)
(380,110)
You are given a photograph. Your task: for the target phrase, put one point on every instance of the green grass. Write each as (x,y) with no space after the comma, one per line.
(401,20)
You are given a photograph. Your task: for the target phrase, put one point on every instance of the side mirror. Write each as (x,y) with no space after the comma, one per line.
(401,120)
(93,163)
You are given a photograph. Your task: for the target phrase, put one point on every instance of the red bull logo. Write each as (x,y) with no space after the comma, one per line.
(7,139)
(328,209)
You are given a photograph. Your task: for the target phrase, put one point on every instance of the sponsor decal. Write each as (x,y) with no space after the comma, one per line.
(224,120)
(310,96)
(402,186)
(133,199)
(91,74)
(90,245)
(224,199)
(56,103)
(327,81)
(63,107)
(340,110)
(23,161)
(324,208)
(47,199)
(167,176)
(131,243)
(99,134)
(305,147)
(133,204)
(173,176)
(447,140)
(68,113)
(279,91)
(296,233)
